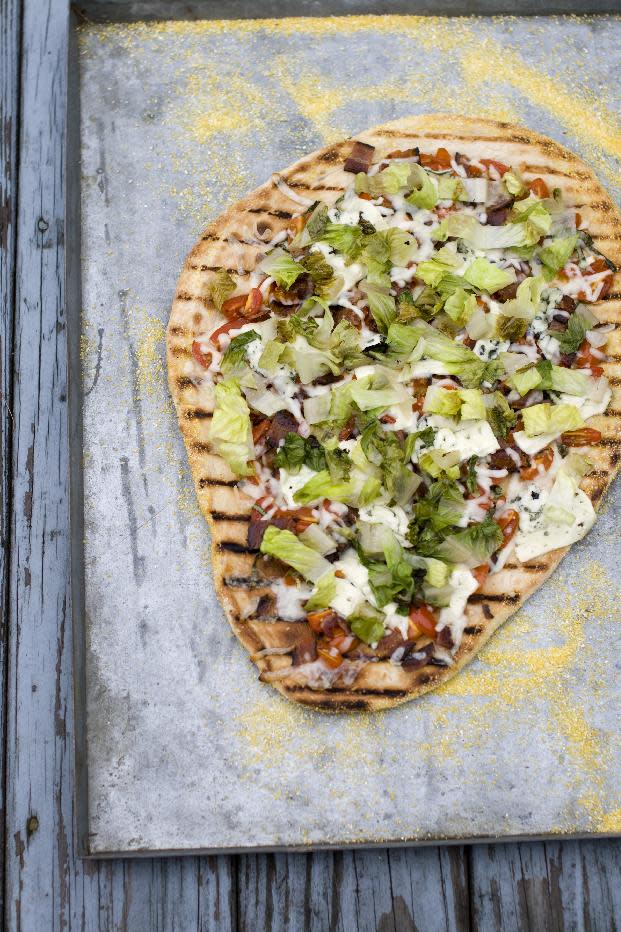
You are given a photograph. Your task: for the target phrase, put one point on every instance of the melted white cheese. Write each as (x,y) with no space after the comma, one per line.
(463,584)
(394,518)
(290,483)
(289,600)
(474,438)
(541,530)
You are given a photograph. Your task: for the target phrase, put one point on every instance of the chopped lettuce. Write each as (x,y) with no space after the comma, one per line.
(280,266)
(220,288)
(551,419)
(474,545)
(485,276)
(561,379)
(299,451)
(230,431)
(514,183)
(525,380)
(478,235)
(460,306)
(500,414)
(309,362)
(343,238)
(367,624)
(555,255)
(443,401)
(425,190)
(438,573)
(235,353)
(323,593)
(573,336)
(381,304)
(323,486)
(388,181)
(316,538)
(472,404)
(440,463)
(270,357)
(531,212)
(526,303)
(287,547)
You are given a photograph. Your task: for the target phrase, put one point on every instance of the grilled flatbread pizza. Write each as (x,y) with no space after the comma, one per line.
(395,367)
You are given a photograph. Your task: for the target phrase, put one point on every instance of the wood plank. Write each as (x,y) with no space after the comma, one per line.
(47,886)
(552,886)
(9,113)
(388,890)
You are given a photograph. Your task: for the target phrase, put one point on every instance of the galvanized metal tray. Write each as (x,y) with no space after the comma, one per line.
(179,748)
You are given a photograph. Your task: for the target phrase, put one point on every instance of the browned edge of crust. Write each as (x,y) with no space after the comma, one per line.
(320,175)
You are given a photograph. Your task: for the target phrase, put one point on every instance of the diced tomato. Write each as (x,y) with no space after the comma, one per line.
(254,304)
(539,187)
(259,430)
(388,419)
(304,517)
(578,219)
(424,619)
(500,167)
(289,580)
(481,572)
(600,265)
(541,463)
(203,359)
(234,324)
(316,619)
(365,196)
(401,154)
(343,643)
(508,524)
(234,305)
(586,360)
(332,660)
(441,160)
(582,437)
(473,171)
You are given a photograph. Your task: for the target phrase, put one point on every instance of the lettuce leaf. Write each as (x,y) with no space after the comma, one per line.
(323,486)
(485,276)
(573,336)
(381,304)
(425,192)
(546,418)
(285,546)
(270,357)
(235,353)
(556,254)
(388,181)
(443,401)
(367,624)
(343,238)
(230,431)
(460,306)
(323,593)
(282,267)
(474,545)
(299,451)
(220,288)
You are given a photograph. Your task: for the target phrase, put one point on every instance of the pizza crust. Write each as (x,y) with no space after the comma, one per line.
(234,241)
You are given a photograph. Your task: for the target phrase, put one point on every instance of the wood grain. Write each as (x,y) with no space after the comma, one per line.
(557,886)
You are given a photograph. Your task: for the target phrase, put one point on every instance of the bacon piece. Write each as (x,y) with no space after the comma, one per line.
(416,657)
(498,216)
(346,313)
(258,526)
(360,157)
(282,423)
(305,651)
(388,644)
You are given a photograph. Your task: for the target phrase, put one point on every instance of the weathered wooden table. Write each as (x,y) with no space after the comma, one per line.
(560,885)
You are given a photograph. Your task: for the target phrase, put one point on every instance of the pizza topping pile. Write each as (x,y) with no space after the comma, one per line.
(404,392)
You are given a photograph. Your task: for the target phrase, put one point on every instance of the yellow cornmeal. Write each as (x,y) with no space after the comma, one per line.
(217,114)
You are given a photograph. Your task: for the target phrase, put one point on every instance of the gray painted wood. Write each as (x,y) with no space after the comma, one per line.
(556,886)
(9,117)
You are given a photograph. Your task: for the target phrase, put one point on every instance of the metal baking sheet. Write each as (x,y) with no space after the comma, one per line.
(180,747)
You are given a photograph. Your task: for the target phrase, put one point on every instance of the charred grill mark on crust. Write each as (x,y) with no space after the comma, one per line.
(216,268)
(216,238)
(473,629)
(598,473)
(197,414)
(487,611)
(615,456)
(205,481)
(231,546)
(222,516)
(281,214)
(179,331)
(535,567)
(199,447)
(178,351)
(184,382)
(245,582)
(395,134)
(315,187)
(186,296)
(549,170)
(612,296)
(392,693)
(495,597)
(597,493)
(614,380)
